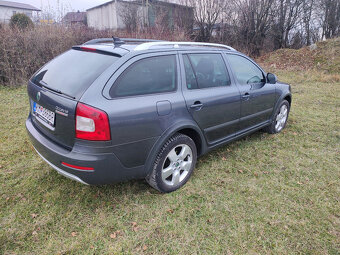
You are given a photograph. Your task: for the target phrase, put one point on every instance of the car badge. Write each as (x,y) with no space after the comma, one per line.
(38,96)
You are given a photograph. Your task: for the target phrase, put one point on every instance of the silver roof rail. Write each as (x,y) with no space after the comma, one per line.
(119,40)
(148,45)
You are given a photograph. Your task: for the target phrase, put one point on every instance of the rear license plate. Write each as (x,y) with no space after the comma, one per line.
(44,114)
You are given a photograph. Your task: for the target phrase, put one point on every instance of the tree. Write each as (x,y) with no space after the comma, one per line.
(307,11)
(254,21)
(206,15)
(331,18)
(286,18)
(131,17)
(21,21)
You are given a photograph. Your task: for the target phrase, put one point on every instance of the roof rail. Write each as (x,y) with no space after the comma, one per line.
(120,40)
(148,45)
(99,40)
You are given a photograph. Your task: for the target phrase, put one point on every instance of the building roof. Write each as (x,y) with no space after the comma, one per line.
(18,5)
(74,17)
(140,2)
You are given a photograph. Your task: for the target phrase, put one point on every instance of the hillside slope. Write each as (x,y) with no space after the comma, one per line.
(322,56)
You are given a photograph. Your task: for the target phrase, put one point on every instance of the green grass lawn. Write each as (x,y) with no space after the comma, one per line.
(264,194)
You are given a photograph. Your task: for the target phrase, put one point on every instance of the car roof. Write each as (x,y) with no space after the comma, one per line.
(123,48)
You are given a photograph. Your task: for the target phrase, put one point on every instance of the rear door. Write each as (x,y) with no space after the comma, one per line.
(211,97)
(56,88)
(257,96)
(142,101)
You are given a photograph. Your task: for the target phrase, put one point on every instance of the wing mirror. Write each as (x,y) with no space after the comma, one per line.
(272,79)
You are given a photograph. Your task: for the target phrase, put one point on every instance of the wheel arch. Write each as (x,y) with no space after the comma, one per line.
(187,128)
(288,97)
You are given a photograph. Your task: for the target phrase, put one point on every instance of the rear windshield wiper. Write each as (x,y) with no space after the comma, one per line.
(44,85)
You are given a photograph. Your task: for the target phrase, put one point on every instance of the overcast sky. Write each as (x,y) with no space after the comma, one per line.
(69,5)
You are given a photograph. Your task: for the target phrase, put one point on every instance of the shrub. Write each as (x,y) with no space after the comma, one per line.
(22,52)
(21,21)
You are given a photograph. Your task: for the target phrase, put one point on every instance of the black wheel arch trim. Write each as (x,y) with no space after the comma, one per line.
(166,135)
(278,102)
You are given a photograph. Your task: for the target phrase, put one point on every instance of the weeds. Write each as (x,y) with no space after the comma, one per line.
(22,52)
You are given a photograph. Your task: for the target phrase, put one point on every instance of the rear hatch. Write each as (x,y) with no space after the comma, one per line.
(56,88)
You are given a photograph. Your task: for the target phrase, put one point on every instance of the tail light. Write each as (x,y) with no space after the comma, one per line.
(92,124)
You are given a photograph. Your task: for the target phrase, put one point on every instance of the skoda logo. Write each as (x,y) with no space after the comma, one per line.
(38,96)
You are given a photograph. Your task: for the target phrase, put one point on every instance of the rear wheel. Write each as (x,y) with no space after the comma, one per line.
(174,164)
(280,119)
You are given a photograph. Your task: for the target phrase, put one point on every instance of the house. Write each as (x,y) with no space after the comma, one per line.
(124,14)
(74,18)
(8,9)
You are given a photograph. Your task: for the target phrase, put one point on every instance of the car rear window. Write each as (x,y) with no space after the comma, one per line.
(73,71)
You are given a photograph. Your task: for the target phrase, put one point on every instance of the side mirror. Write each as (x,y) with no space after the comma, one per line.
(272,79)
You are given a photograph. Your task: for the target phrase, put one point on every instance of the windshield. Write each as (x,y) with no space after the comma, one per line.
(73,71)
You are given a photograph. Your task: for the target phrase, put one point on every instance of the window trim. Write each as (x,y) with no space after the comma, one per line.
(129,62)
(183,79)
(249,59)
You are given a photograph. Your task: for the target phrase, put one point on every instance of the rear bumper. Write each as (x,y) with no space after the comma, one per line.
(107,167)
(62,172)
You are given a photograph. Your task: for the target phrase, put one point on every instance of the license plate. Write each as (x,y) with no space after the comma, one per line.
(44,114)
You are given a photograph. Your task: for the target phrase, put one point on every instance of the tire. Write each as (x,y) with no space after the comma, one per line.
(280,119)
(174,164)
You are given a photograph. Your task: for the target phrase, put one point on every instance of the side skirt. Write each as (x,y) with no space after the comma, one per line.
(238,136)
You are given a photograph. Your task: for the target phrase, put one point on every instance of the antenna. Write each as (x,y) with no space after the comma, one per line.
(117,41)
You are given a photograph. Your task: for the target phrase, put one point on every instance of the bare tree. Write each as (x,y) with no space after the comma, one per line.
(130,14)
(207,13)
(330,18)
(308,7)
(286,18)
(254,21)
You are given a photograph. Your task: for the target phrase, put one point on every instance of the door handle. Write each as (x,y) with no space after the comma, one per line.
(197,105)
(246,96)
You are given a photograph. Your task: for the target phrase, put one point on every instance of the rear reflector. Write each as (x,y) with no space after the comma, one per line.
(92,124)
(77,167)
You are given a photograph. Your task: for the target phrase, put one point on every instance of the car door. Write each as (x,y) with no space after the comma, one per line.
(211,98)
(257,96)
(142,101)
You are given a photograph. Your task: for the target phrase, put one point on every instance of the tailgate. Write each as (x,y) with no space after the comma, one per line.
(53,114)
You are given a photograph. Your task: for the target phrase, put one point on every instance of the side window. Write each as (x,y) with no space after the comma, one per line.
(205,71)
(147,76)
(245,71)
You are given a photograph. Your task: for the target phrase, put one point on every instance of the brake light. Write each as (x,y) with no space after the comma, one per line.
(92,124)
(88,49)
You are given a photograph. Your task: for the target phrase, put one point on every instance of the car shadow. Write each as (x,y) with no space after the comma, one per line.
(94,196)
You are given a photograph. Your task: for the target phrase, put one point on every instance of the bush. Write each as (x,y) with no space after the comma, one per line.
(21,21)
(22,52)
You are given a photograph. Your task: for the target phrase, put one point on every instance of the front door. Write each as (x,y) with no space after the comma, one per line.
(211,98)
(257,96)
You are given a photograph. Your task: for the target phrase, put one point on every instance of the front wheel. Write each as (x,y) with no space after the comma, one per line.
(174,164)
(280,119)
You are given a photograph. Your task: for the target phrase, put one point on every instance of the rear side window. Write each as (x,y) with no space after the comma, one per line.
(205,71)
(74,71)
(147,76)
(245,71)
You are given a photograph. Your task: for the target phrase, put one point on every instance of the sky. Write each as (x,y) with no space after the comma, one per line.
(66,5)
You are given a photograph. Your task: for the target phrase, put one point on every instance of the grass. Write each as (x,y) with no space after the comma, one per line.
(264,194)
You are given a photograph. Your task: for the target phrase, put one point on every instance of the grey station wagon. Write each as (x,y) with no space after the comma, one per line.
(118,109)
